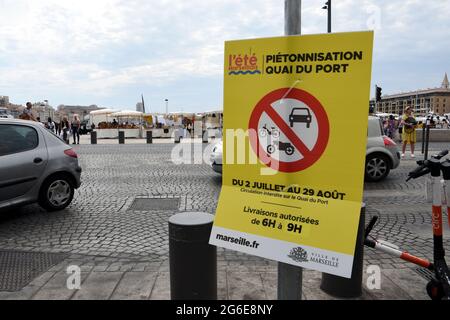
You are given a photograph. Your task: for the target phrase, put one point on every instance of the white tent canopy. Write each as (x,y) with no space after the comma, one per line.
(102,112)
(127,114)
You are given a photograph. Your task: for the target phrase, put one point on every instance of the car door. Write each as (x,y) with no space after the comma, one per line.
(23,158)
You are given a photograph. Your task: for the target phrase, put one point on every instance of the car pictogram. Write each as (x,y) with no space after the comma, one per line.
(300,115)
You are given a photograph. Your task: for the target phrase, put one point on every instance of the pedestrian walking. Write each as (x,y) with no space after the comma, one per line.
(189,129)
(391,127)
(75,126)
(65,129)
(409,124)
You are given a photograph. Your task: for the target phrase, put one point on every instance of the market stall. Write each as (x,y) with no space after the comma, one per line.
(130,122)
(102,122)
(213,123)
(161,128)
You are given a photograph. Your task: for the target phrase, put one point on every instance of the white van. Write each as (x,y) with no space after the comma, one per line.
(4,114)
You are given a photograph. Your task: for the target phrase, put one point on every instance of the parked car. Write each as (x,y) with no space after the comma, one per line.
(36,166)
(216,157)
(382,153)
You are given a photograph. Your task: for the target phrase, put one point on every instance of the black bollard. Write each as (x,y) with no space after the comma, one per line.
(149,137)
(193,262)
(343,287)
(177,137)
(121,137)
(205,136)
(93,137)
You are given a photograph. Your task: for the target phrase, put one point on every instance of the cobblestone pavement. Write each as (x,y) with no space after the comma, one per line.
(102,234)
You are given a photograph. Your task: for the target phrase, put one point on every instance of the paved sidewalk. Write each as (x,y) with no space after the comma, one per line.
(123,252)
(109,279)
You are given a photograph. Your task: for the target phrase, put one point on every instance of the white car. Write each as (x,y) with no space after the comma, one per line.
(382,154)
(216,157)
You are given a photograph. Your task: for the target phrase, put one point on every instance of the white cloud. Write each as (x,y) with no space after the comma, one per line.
(101,46)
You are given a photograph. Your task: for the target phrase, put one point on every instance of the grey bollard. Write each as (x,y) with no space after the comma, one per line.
(205,136)
(177,137)
(121,137)
(93,137)
(149,137)
(193,262)
(343,287)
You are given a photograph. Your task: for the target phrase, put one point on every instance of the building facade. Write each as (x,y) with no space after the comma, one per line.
(82,111)
(43,110)
(435,100)
(4,101)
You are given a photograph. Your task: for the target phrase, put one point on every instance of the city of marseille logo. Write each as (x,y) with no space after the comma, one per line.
(239,64)
(299,255)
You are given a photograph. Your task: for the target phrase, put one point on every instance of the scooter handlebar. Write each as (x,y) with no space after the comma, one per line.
(423,168)
(442,154)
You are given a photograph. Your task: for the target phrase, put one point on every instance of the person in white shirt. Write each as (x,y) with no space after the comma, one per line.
(50,125)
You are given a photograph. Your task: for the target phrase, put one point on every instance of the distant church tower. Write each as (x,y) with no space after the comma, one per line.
(445,83)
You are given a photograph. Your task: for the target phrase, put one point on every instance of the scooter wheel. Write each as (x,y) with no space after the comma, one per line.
(270,149)
(262,133)
(435,290)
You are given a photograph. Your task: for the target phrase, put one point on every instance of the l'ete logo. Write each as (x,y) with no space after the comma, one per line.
(243,64)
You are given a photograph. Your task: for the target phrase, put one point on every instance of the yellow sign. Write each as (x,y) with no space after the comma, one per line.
(295,120)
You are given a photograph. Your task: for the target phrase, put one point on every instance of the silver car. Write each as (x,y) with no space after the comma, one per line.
(35,166)
(382,154)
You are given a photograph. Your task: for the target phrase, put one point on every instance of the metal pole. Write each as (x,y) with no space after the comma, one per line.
(329,16)
(290,277)
(293,10)
(424,129)
(427,141)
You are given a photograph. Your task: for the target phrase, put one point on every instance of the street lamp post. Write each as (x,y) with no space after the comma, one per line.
(328,7)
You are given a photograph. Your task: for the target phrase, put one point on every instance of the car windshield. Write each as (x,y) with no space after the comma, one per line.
(300,111)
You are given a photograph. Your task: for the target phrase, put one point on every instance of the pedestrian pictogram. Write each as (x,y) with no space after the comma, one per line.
(292,130)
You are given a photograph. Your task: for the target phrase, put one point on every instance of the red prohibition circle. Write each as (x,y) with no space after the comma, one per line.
(311,157)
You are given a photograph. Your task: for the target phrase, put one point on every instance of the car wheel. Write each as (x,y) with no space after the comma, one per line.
(377,167)
(56,193)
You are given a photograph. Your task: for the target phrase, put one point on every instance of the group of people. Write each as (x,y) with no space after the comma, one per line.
(62,129)
(403,128)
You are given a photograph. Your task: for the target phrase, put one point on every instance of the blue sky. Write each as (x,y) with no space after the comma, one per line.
(108,52)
